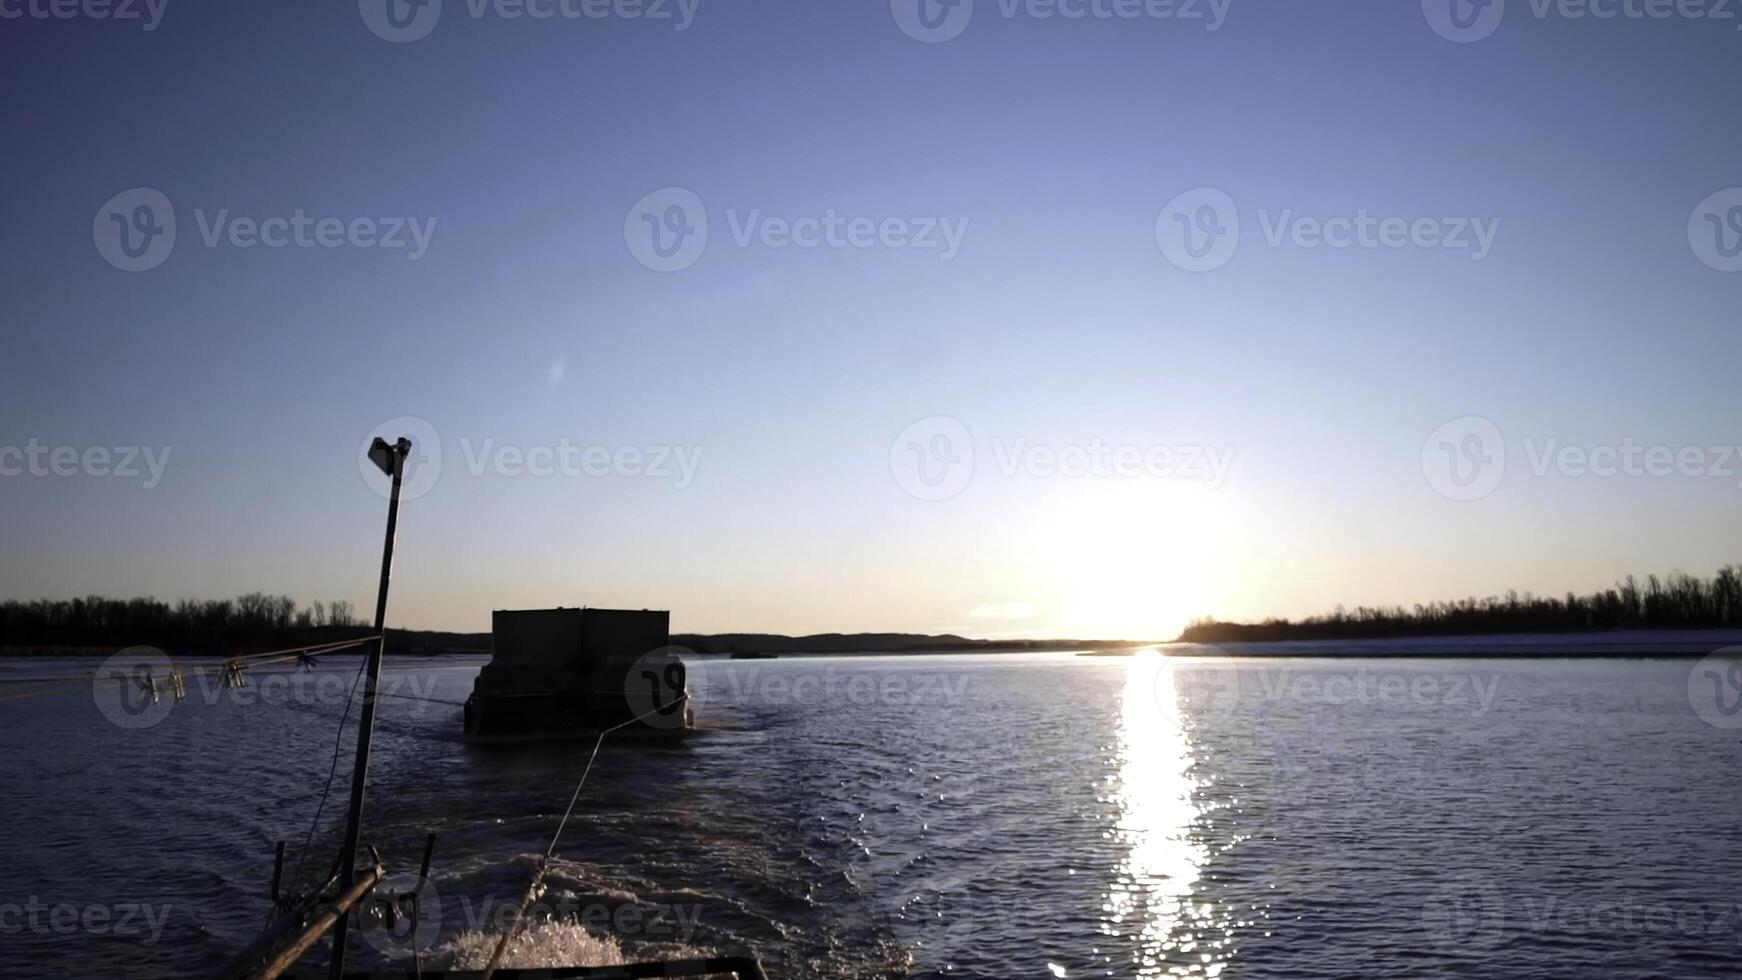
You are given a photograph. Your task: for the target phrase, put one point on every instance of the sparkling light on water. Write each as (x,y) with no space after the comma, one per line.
(1152,901)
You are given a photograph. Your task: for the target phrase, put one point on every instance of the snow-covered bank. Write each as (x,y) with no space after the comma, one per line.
(1621,643)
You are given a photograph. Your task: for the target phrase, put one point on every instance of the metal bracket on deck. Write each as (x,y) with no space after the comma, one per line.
(405,906)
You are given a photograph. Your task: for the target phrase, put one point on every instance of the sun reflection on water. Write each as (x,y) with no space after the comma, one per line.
(1153,902)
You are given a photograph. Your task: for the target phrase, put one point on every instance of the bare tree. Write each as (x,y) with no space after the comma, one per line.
(339,613)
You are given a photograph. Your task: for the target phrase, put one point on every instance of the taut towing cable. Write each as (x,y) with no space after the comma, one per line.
(537,887)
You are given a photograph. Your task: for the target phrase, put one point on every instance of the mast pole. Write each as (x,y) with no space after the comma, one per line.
(391,459)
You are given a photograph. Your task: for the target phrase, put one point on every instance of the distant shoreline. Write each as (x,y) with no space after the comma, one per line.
(1613,644)
(425,643)
(1617,644)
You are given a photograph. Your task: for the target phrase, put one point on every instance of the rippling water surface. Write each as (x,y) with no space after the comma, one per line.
(987,816)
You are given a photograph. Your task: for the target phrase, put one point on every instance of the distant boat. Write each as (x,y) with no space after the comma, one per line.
(573,672)
(754,655)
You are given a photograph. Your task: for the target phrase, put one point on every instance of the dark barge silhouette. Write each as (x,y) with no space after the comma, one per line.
(576,672)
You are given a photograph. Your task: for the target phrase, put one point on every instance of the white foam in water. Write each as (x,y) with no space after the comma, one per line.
(545,944)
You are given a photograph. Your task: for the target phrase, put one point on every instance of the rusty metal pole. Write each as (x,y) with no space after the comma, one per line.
(284,955)
(391,459)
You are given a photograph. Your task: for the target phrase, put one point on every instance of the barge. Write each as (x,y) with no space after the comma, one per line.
(576,672)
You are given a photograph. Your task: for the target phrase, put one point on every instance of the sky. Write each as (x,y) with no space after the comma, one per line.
(798,317)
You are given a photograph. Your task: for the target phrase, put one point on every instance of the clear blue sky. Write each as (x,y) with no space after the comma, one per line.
(1060,321)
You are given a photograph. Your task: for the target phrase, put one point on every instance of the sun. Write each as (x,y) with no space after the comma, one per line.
(1136,560)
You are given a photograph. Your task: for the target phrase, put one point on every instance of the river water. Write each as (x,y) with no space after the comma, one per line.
(969,816)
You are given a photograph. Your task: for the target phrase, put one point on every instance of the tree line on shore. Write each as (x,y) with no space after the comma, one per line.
(252,621)
(1678,601)
(258,621)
